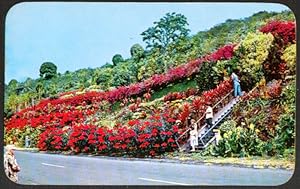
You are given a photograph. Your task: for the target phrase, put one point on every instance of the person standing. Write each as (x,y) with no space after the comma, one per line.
(209,115)
(193,135)
(11,166)
(236,84)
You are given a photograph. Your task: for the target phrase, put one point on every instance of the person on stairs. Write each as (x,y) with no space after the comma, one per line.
(236,84)
(193,135)
(209,115)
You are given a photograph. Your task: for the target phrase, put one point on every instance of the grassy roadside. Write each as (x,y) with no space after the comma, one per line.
(251,162)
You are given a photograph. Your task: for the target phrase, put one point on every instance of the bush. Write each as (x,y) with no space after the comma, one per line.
(53,138)
(289,56)
(139,138)
(251,53)
(207,79)
(239,142)
(227,126)
(18,136)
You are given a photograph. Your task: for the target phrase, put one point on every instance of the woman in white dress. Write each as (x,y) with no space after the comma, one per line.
(193,135)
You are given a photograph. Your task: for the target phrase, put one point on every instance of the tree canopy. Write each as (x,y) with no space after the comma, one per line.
(48,70)
(117,59)
(168,29)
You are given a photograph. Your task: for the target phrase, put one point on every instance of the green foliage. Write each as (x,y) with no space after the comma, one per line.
(208,78)
(168,29)
(48,70)
(137,52)
(260,127)
(117,59)
(224,68)
(13,83)
(103,77)
(178,87)
(133,68)
(150,66)
(251,54)
(227,126)
(121,76)
(18,136)
(238,141)
(285,131)
(107,65)
(289,56)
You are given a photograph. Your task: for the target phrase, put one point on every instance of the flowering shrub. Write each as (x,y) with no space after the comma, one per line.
(139,138)
(212,96)
(223,53)
(38,115)
(184,114)
(53,138)
(284,32)
(180,95)
(198,106)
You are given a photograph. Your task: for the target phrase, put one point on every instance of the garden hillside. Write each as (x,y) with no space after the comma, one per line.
(144,115)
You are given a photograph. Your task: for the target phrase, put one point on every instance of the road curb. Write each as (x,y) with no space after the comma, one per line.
(161,160)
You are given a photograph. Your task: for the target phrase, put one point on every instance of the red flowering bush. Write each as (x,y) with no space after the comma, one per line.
(223,53)
(282,31)
(38,115)
(154,138)
(284,34)
(198,106)
(83,138)
(212,96)
(180,95)
(151,137)
(53,138)
(184,114)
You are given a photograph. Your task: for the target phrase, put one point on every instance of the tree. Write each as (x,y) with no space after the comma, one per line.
(168,29)
(137,52)
(121,76)
(12,86)
(103,77)
(117,59)
(106,65)
(48,70)
(40,89)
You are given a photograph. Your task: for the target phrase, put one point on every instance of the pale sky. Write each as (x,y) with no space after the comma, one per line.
(81,35)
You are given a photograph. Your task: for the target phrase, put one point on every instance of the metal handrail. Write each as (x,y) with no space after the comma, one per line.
(213,108)
(223,98)
(203,117)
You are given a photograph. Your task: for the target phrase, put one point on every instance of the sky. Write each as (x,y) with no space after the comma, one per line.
(87,35)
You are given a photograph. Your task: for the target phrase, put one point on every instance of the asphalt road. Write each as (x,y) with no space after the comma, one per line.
(53,169)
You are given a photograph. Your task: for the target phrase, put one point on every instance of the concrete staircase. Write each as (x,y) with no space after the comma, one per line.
(206,135)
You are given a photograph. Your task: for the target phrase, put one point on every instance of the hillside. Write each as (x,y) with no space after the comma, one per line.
(143,64)
(137,117)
